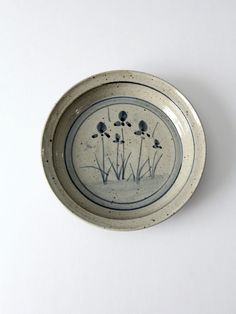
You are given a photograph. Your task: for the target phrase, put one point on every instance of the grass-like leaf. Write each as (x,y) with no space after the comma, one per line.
(114,169)
(156,164)
(100,168)
(141,168)
(126,161)
(132,171)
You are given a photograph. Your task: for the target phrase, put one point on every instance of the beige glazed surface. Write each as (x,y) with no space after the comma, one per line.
(123,149)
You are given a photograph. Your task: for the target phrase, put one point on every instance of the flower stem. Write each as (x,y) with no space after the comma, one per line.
(139,159)
(123,161)
(103,159)
(153,164)
(117,157)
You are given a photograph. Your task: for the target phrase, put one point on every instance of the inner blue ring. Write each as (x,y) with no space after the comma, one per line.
(114,204)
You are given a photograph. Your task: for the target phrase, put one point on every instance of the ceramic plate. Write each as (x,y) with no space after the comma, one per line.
(123,150)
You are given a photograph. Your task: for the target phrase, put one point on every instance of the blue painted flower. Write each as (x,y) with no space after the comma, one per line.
(117,139)
(101,127)
(156,144)
(122,119)
(142,129)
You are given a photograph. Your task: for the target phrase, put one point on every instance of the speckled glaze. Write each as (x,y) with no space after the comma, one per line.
(124,150)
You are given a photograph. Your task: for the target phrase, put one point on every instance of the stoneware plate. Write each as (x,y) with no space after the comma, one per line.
(123,150)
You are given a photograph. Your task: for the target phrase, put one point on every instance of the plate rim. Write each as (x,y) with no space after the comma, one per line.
(99,80)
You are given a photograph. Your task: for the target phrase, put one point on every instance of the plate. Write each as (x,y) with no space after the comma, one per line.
(123,150)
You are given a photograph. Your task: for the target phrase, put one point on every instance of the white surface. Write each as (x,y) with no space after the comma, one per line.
(53,262)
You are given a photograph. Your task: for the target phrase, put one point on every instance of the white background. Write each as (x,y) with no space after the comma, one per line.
(52,262)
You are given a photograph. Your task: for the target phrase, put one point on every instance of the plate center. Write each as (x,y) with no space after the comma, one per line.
(123,153)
